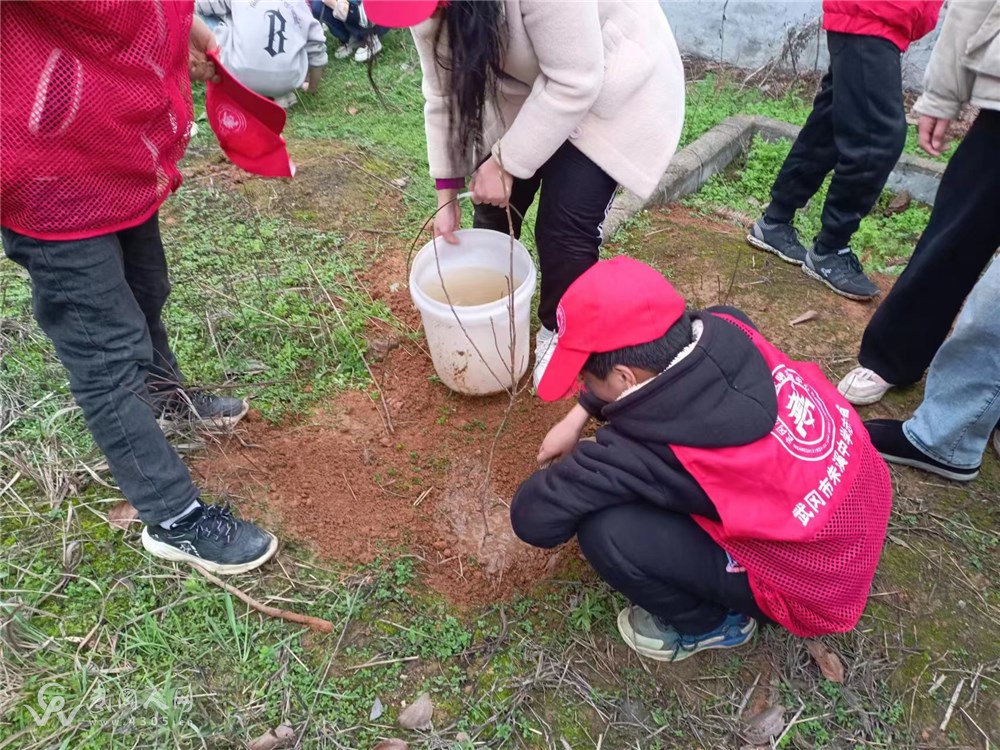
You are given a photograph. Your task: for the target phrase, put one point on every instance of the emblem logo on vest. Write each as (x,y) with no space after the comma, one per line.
(560,321)
(805,427)
(231,121)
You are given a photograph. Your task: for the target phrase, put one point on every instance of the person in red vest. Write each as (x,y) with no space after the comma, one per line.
(730,484)
(857,130)
(96,115)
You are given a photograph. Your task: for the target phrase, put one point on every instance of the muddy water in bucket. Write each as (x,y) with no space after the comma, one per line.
(480,342)
(468,287)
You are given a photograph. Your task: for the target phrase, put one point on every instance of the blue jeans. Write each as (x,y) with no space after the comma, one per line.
(100,300)
(346,32)
(961,406)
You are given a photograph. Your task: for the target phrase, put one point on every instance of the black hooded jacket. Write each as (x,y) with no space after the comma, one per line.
(719,395)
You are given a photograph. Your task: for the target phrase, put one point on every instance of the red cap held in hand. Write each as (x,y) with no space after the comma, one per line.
(616,303)
(400,14)
(247,125)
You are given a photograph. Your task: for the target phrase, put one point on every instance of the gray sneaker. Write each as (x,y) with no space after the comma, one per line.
(649,636)
(842,272)
(197,408)
(778,238)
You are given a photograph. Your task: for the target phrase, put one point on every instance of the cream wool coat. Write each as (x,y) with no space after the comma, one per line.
(965,63)
(604,74)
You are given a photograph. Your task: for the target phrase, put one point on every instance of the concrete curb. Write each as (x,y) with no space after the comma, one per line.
(699,161)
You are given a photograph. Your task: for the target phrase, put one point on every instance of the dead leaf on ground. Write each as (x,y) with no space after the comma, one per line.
(391,744)
(765,725)
(122,516)
(377,710)
(279,737)
(804,318)
(899,203)
(401,183)
(829,663)
(352,111)
(418,714)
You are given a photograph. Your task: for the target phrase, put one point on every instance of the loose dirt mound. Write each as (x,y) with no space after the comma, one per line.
(345,487)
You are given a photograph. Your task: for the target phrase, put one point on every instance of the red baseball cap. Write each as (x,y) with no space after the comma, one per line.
(616,303)
(400,14)
(247,125)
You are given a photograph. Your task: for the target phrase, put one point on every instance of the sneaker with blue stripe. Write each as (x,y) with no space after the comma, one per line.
(651,637)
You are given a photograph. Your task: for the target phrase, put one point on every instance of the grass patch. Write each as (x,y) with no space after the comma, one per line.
(884,241)
(716,96)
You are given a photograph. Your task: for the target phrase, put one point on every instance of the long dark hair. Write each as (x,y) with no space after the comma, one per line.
(474,58)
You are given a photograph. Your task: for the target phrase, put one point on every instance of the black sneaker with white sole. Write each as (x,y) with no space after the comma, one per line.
(893,445)
(779,238)
(214,539)
(842,272)
(198,408)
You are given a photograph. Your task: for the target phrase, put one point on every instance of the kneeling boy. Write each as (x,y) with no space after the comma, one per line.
(730,484)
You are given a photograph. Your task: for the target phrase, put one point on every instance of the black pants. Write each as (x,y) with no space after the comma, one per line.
(575,197)
(961,237)
(857,128)
(99,300)
(666,564)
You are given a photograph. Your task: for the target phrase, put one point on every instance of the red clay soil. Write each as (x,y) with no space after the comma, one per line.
(346,487)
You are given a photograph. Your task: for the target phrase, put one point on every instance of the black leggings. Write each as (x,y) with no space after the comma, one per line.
(857,129)
(664,562)
(960,240)
(575,197)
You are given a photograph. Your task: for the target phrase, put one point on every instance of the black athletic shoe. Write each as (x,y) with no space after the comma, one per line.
(778,238)
(891,442)
(842,272)
(198,408)
(213,539)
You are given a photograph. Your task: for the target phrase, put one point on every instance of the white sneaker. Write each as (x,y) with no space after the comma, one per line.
(545,347)
(345,50)
(366,52)
(863,387)
(286,101)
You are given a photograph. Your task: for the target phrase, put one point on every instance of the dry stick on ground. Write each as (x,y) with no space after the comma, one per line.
(385,404)
(323,626)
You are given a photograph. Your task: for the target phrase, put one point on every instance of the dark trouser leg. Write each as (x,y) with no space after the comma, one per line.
(810,160)
(666,564)
(869,128)
(961,237)
(575,197)
(83,303)
(146,274)
(522,193)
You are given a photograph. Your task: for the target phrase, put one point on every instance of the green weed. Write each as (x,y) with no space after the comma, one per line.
(884,241)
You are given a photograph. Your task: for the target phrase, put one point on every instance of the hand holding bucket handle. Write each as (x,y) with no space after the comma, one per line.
(448,218)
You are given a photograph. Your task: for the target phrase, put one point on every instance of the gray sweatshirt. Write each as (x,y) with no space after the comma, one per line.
(269,45)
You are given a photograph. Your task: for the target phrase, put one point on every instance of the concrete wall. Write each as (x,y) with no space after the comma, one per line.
(751,34)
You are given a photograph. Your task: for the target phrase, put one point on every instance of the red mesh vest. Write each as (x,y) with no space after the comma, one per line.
(96,113)
(805,508)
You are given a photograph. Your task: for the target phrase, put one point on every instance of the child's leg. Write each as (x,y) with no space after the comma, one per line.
(869,127)
(83,303)
(146,274)
(810,160)
(663,562)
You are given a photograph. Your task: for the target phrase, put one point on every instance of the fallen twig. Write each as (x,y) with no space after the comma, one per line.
(951,705)
(323,626)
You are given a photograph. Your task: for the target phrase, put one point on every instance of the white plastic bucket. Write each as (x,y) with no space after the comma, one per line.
(477,360)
